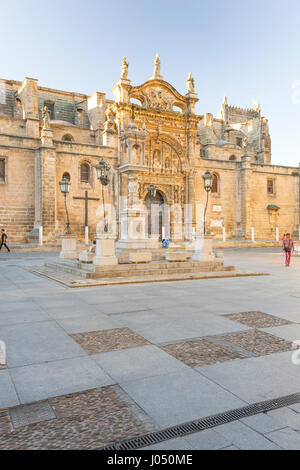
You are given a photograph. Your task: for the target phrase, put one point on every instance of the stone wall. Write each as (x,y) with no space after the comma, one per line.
(37,156)
(17,193)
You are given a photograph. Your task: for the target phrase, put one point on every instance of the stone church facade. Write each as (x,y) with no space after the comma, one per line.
(150,135)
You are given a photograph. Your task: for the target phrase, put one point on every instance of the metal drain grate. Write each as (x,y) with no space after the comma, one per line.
(204,423)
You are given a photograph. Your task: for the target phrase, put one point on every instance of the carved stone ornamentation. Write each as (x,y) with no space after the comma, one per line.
(156,98)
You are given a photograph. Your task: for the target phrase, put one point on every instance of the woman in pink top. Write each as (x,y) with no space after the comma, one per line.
(287,247)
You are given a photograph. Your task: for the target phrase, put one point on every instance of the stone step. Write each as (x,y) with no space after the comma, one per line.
(158,272)
(73,282)
(151,266)
(145,270)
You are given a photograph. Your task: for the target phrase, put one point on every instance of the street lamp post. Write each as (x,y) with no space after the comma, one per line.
(105,240)
(68,248)
(207,183)
(65,189)
(102,169)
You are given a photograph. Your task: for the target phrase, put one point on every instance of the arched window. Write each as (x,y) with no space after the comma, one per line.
(85,173)
(67,138)
(215,184)
(232,157)
(67,176)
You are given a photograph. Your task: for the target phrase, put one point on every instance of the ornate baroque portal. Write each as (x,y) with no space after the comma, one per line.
(155,141)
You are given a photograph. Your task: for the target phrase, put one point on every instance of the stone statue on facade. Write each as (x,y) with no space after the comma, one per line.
(46,117)
(190,83)
(124,68)
(109,113)
(156,70)
(109,124)
(256,107)
(245,145)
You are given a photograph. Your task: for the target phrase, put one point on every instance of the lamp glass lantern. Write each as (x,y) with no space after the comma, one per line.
(207,180)
(102,169)
(65,185)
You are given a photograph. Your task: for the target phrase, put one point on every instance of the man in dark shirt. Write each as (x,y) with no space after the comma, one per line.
(3,240)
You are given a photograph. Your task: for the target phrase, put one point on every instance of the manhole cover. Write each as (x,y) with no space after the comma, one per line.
(29,414)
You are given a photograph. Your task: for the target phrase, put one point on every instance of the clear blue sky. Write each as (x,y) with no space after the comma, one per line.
(246,50)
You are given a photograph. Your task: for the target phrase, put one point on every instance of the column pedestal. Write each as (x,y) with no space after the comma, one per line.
(203,249)
(68,247)
(132,227)
(105,251)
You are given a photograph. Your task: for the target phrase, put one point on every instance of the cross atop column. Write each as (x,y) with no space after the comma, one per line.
(86,198)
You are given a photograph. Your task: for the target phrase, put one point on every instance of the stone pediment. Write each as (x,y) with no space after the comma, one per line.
(158,95)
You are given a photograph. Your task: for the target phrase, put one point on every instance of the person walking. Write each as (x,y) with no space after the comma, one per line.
(4,240)
(288,248)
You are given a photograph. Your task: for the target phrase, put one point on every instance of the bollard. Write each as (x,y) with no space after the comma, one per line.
(224,233)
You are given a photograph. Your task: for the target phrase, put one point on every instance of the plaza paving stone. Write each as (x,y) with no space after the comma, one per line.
(8,396)
(136,363)
(263,423)
(258,378)
(286,438)
(32,343)
(39,381)
(257,319)
(180,396)
(244,437)
(108,340)
(200,352)
(258,342)
(174,391)
(87,323)
(289,332)
(84,420)
(287,417)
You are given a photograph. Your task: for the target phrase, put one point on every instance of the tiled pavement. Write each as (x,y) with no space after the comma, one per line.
(115,362)
(108,340)
(83,420)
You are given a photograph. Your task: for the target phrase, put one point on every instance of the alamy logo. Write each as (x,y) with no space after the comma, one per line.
(2,353)
(296,354)
(296,92)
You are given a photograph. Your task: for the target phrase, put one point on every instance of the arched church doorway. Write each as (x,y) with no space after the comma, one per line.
(156,215)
